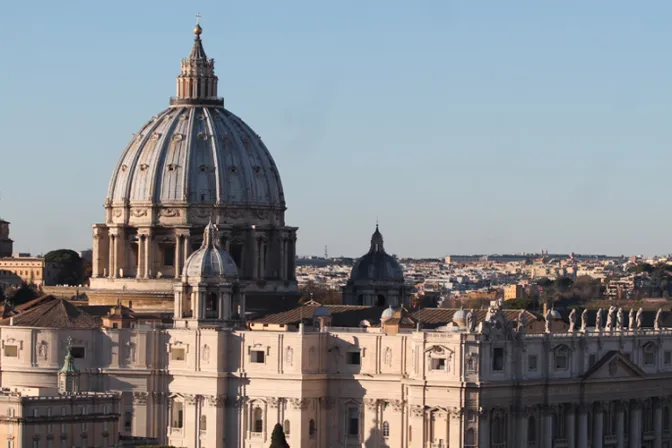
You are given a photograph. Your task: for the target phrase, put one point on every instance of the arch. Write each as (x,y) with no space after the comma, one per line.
(286,427)
(386,429)
(257,420)
(312,429)
(470,438)
(204,423)
(531,429)
(380,300)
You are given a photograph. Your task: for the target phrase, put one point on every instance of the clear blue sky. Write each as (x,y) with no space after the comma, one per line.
(464,126)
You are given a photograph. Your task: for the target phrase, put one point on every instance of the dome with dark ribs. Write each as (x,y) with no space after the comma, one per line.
(377,265)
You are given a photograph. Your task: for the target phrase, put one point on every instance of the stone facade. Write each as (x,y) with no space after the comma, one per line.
(485,385)
(17,270)
(6,244)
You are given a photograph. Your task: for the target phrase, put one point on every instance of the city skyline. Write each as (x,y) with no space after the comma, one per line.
(521,127)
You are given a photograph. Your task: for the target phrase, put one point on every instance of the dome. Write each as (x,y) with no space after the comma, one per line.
(387,314)
(210,262)
(322,311)
(195,152)
(460,317)
(377,265)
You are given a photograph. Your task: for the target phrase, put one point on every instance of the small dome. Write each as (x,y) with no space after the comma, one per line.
(322,311)
(555,314)
(210,261)
(460,317)
(376,264)
(387,314)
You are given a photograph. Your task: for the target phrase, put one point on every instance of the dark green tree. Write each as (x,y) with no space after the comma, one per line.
(278,437)
(73,267)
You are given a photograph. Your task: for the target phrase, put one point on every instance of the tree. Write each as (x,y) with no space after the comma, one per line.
(278,437)
(73,267)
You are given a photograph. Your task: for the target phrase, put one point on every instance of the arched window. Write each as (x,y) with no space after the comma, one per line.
(649,350)
(666,418)
(211,305)
(177,414)
(531,429)
(470,439)
(258,420)
(386,429)
(285,427)
(204,423)
(311,428)
(498,429)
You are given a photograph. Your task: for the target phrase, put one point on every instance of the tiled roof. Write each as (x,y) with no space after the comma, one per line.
(57,313)
(351,316)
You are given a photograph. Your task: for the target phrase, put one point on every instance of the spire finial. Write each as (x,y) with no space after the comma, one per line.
(197,29)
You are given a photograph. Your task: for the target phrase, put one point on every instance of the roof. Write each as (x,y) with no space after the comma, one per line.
(57,313)
(351,315)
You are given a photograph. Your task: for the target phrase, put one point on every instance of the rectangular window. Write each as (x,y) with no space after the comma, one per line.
(668,358)
(649,358)
(128,421)
(591,360)
(177,354)
(353,421)
(64,443)
(498,359)
(36,443)
(438,364)
(84,427)
(104,441)
(36,412)
(354,358)
(11,351)
(83,443)
(169,256)
(257,356)
(50,443)
(471,415)
(561,361)
(10,444)
(532,363)
(78,352)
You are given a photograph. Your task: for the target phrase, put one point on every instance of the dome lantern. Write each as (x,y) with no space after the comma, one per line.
(197,82)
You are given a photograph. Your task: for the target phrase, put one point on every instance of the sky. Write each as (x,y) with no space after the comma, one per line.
(461,126)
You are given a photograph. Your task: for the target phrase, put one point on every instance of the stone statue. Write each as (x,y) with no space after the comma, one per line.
(548,321)
(522,321)
(619,318)
(584,320)
(658,322)
(610,318)
(572,321)
(638,319)
(631,319)
(598,320)
(471,321)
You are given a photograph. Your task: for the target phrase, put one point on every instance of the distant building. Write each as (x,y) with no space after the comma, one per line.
(16,270)
(6,244)
(513,292)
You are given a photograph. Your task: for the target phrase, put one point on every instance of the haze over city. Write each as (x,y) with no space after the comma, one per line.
(462,127)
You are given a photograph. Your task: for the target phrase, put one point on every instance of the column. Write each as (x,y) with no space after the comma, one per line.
(658,423)
(484,429)
(139,269)
(620,425)
(148,254)
(115,256)
(522,428)
(582,441)
(255,256)
(110,256)
(283,258)
(598,425)
(178,264)
(95,268)
(370,418)
(571,423)
(548,427)
(187,247)
(635,425)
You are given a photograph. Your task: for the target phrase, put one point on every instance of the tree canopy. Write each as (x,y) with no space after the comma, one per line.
(73,267)
(278,437)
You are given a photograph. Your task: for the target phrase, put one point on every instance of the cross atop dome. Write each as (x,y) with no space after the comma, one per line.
(197,83)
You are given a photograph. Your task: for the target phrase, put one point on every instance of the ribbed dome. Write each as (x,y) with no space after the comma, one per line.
(196,152)
(209,262)
(377,264)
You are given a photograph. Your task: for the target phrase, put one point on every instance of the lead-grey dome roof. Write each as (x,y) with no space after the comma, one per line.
(196,151)
(209,262)
(377,265)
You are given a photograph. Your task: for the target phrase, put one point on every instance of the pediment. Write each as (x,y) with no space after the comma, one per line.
(613,365)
